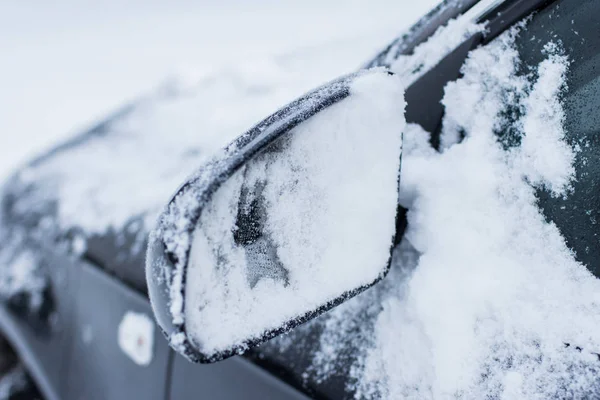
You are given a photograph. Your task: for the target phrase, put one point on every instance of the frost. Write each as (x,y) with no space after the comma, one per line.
(484,300)
(327,188)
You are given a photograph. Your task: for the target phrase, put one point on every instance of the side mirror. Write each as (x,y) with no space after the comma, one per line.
(294,217)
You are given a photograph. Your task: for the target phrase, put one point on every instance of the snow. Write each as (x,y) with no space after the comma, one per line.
(428,54)
(331,187)
(484,295)
(136,337)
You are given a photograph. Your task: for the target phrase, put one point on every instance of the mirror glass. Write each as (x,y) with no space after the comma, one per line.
(301,226)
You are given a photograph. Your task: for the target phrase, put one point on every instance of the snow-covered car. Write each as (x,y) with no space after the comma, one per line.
(490,289)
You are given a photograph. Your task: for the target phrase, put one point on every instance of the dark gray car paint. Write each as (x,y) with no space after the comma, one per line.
(234,378)
(98,368)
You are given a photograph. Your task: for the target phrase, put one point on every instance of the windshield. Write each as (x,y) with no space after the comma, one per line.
(485,295)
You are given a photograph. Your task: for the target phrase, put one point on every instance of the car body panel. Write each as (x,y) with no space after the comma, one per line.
(98,368)
(234,378)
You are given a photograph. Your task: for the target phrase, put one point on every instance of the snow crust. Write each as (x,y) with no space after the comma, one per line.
(326,189)
(484,300)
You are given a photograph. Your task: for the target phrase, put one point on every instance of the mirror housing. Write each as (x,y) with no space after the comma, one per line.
(173,259)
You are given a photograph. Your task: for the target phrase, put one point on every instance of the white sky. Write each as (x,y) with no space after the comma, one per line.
(66,64)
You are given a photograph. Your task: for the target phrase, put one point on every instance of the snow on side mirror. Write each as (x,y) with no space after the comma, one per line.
(291,219)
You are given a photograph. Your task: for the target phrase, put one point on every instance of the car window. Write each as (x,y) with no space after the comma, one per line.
(577,26)
(325,365)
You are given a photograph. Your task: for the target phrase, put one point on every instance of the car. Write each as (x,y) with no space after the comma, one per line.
(76,318)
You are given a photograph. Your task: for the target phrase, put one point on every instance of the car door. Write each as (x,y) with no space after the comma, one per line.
(116,350)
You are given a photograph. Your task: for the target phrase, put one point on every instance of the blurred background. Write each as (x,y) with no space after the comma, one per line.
(65,65)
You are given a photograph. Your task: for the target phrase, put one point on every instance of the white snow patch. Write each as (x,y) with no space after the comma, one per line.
(332,188)
(136,337)
(544,157)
